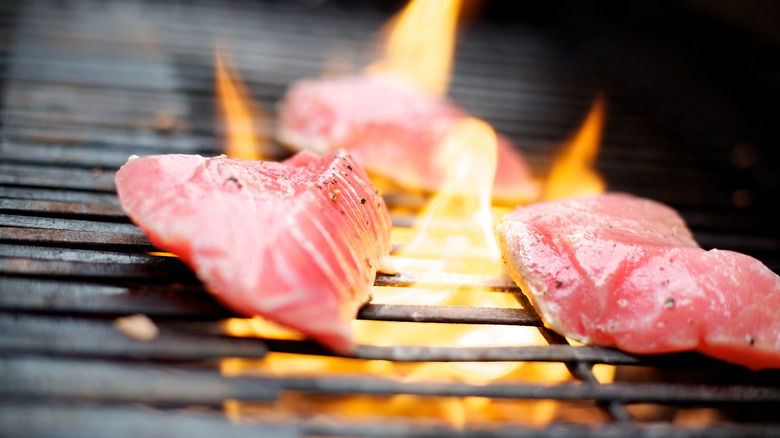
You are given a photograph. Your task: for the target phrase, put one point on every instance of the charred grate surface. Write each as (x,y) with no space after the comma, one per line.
(86,84)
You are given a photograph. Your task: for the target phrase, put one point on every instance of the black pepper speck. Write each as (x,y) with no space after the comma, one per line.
(235,181)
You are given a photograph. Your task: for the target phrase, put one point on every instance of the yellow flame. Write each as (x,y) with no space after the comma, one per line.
(456,230)
(420,44)
(572,171)
(161,254)
(237,111)
(457,223)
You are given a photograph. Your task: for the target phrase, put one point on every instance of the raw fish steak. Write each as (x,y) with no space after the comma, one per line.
(392,129)
(621,271)
(297,242)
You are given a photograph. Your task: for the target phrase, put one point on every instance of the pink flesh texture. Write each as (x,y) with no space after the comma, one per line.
(391,129)
(298,242)
(621,271)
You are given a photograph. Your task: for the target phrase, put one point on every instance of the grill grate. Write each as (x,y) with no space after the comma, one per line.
(86,84)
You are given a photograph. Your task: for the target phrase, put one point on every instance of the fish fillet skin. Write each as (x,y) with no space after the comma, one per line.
(297,242)
(621,271)
(392,129)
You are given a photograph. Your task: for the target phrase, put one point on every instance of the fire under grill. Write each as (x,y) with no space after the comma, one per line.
(86,84)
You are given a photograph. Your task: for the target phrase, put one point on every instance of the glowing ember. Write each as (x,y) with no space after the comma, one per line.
(238,113)
(572,172)
(420,43)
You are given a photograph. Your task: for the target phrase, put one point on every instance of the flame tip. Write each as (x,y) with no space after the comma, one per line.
(238,110)
(572,172)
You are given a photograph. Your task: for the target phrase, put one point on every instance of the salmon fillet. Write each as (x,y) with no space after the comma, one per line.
(391,129)
(297,242)
(620,271)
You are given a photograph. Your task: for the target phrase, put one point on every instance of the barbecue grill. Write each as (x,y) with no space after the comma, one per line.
(84,85)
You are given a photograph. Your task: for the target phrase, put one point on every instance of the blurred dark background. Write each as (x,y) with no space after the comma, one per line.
(692,86)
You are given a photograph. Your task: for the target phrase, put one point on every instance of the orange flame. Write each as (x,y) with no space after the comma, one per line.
(455,234)
(572,171)
(457,223)
(239,115)
(420,44)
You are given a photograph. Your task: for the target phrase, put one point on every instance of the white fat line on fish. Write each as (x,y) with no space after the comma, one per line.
(312,250)
(281,265)
(338,254)
(354,213)
(294,294)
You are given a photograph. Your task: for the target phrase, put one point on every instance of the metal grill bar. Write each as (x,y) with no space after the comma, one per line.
(53,236)
(59,224)
(61,208)
(555,431)
(72,378)
(56,177)
(62,262)
(90,421)
(26,377)
(88,157)
(68,297)
(551,353)
(39,295)
(407,279)
(54,192)
(449,314)
(62,334)
(83,337)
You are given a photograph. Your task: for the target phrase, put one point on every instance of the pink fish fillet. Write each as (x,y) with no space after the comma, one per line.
(621,271)
(297,242)
(392,129)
